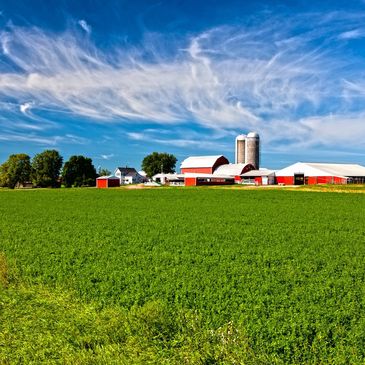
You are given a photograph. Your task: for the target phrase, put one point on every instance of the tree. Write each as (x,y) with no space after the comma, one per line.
(15,171)
(79,171)
(103,172)
(158,162)
(46,168)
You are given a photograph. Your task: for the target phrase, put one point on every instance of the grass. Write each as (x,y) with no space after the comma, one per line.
(195,276)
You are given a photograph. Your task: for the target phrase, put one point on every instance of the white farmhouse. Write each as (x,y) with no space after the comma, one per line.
(129,175)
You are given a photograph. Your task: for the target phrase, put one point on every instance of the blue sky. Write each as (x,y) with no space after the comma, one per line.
(116,80)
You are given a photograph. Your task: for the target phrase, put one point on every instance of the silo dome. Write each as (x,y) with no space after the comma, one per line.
(253,135)
(240,137)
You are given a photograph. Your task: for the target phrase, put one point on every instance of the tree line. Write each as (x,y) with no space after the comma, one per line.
(46,169)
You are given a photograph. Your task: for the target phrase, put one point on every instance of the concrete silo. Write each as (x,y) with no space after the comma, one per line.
(253,149)
(240,152)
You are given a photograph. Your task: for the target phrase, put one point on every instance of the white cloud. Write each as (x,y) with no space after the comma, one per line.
(85,26)
(24,107)
(229,78)
(107,157)
(352,34)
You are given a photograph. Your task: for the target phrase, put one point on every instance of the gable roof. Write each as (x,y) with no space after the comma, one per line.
(200,161)
(233,169)
(323,169)
(259,173)
(127,171)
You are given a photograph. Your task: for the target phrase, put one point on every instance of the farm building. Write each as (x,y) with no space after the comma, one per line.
(302,173)
(234,170)
(169,179)
(129,175)
(104,182)
(202,164)
(259,177)
(196,179)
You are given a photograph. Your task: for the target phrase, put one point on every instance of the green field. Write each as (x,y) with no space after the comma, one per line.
(182,276)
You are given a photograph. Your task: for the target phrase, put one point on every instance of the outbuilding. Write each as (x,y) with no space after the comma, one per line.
(104,182)
(129,175)
(308,173)
(259,177)
(195,179)
(234,170)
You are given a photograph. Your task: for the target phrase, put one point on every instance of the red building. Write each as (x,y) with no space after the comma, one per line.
(104,182)
(207,179)
(202,164)
(302,173)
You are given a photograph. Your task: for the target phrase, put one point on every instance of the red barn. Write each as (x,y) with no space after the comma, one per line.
(202,164)
(104,182)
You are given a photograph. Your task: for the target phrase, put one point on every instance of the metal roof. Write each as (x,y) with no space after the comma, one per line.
(258,173)
(323,169)
(233,169)
(110,177)
(199,161)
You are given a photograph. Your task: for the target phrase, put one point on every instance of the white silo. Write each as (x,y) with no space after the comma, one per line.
(240,149)
(253,149)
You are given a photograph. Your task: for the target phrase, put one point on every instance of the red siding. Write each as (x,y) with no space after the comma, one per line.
(287,180)
(102,183)
(247,168)
(113,183)
(220,161)
(199,170)
(312,180)
(107,183)
(258,180)
(190,181)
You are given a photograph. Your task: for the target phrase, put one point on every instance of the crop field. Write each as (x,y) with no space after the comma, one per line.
(182,276)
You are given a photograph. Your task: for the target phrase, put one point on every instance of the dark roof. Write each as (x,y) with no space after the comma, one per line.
(127,170)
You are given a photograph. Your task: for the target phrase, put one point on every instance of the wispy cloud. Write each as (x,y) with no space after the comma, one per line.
(107,157)
(267,76)
(85,26)
(24,107)
(35,138)
(352,34)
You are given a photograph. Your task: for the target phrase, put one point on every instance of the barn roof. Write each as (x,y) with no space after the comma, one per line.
(233,169)
(323,169)
(200,161)
(258,173)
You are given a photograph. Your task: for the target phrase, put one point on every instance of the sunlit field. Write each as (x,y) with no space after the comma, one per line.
(182,276)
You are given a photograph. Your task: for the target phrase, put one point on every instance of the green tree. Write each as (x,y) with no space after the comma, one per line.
(158,162)
(46,168)
(15,171)
(79,171)
(103,172)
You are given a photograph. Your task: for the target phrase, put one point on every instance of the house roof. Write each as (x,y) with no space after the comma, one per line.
(200,161)
(127,171)
(323,169)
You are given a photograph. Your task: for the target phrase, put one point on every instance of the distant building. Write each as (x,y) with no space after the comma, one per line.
(259,177)
(104,182)
(169,179)
(129,175)
(302,173)
(202,164)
